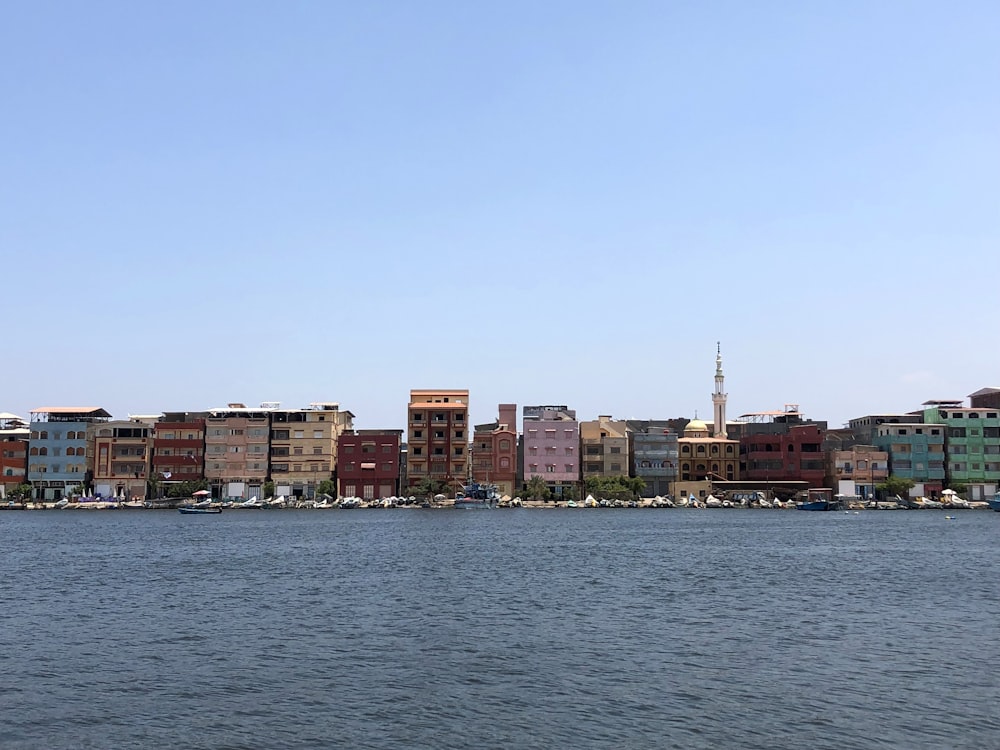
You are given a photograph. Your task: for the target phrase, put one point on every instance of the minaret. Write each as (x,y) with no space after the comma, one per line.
(719,397)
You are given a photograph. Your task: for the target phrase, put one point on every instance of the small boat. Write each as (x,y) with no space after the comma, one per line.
(819,499)
(476,496)
(192,511)
(994,503)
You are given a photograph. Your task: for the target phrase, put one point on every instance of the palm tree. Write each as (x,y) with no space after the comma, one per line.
(537,489)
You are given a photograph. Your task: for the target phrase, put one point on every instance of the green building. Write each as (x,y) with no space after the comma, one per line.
(972,445)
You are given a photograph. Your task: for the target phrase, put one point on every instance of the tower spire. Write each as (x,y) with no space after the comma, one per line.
(719,397)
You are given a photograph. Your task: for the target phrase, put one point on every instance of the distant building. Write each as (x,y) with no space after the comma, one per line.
(304,447)
(551,437)
(57,449)
(14,434)
(236,450)
(369,463)
(855,471)
(605,445)
(866,428)
(972,445)
(120,455)
(179,448)
(916,452)
(494,451)
(438,437)
(705,455)
(654,455)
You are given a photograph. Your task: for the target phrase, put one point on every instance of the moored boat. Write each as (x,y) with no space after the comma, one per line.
(192,511)
(994,503)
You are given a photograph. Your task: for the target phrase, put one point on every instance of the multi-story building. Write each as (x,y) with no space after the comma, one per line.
(236,446)
(57,449)
(494,451)
(551,438)
(369,463)
(179,448)
(437,423)
(604,442)
(866,428)
(119,453)
(654,455)
(972,445)
(14,434)
(855,471)
(783,451)
(304,446)
(705,459)
(916,452)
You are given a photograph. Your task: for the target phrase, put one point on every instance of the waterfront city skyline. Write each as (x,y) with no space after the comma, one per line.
(542,204)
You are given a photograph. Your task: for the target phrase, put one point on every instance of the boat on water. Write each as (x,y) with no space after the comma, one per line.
(476,496)
(190,510)
(994,503)
(819,499)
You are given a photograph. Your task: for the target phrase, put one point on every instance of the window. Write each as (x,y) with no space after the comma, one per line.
(317,434)
(387,449)
(317,450)
(459,434)
(439,435)
(298,434)
(616,449)
(505,445)
(616,467)
(236,432)
(417,416)
(418,451)
(459,451)
(439,416)
(504,463)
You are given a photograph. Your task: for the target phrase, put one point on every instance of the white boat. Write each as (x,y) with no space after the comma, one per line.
(62,503)
(713,502)
(763,502)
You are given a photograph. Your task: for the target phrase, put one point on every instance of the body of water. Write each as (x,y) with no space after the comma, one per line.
(499,629)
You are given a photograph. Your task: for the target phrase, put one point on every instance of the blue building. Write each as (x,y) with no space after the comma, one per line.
(57,449)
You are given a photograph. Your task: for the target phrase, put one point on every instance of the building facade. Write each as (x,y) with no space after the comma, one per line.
(605,445)
(916,452)
(57,449)
(304,447)
(792,452)
(494,451)
(855,471)
(179,449)
(654,455)
(14,434)
(120,455)
(369,463)
(236,450)
(438,437)
(705,459)
(551,437)
(972,446)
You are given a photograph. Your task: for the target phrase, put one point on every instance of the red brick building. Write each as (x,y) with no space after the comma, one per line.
(494,451)
(179,447)
(790,452)
(368,463)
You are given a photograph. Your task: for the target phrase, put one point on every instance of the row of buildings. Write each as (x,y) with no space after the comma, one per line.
(238,450)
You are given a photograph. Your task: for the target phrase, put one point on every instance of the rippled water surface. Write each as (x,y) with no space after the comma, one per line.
(499,629)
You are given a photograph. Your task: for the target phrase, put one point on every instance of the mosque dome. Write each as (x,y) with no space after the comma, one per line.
(696,425)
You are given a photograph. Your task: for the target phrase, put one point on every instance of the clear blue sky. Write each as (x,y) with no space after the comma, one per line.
(544,202)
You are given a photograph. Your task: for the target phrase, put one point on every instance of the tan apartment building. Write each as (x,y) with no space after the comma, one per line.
(236,447)
(604,443)
(118,454)
(304,446)
(437,431)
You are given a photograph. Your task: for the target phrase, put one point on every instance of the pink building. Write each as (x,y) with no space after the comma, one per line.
(552,446)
